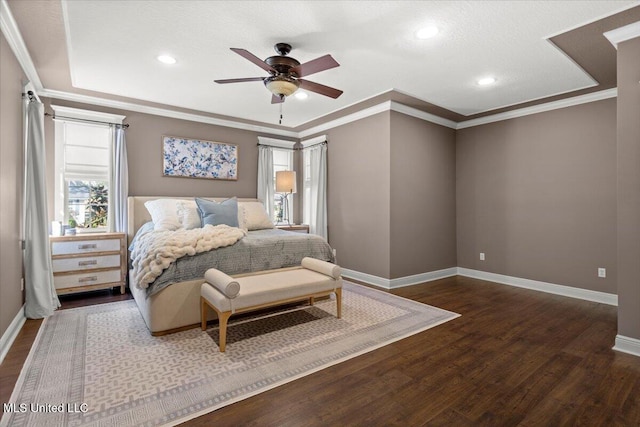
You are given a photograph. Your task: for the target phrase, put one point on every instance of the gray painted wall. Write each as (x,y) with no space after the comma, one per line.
(537,195)
(358,196)
(423,201)
(628,231)
(11,170)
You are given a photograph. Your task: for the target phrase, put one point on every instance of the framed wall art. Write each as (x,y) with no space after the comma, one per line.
(195,158)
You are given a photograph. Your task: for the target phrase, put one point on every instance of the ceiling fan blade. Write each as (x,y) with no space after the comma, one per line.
(275,99)
(314,66)
(251,57)
(247,79)
(318,88)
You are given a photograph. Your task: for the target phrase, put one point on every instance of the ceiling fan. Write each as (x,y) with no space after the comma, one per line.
(286,72)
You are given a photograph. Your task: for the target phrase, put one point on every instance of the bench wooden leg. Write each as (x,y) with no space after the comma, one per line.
(203,313)
(312,300)
(339,302)
(223,319)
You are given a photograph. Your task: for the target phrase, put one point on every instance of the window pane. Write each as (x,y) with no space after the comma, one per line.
(87,203)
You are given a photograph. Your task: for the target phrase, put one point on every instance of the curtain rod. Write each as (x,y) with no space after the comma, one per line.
(54,117)
(32,96)
(295,148)
(317,143)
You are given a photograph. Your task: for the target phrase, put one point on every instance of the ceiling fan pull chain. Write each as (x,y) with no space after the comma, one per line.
(281,104)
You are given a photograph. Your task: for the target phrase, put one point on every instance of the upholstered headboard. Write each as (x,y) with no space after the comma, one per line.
(138,213)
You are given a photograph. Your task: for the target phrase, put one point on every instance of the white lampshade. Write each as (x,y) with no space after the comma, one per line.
(286,182)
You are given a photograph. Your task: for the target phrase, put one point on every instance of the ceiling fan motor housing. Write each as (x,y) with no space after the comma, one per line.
(282,82)
(282,64)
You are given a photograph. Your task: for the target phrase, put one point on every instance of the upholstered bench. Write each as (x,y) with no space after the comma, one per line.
(229,295)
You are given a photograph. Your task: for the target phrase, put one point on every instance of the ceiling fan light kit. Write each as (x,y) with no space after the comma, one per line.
(286,72)
(281,85)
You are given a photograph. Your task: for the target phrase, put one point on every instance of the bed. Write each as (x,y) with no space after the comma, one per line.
(171,302)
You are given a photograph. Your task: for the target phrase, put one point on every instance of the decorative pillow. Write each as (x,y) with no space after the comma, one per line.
(215,213)
(253,216)
(164,214)
(188,214)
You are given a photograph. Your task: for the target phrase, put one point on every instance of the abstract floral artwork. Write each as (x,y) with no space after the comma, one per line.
(194,158)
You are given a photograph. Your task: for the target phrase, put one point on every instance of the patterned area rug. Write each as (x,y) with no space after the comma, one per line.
(98,365)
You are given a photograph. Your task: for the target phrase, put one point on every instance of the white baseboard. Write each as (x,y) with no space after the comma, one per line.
(627,345)
(9,336)
(551,288)
(399,282)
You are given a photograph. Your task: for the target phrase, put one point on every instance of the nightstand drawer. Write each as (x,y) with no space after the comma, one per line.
(83,246)
(87,279)
(86,263)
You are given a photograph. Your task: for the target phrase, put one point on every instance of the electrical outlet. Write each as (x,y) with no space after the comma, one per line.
(602,272)
(481,256)
(22,284)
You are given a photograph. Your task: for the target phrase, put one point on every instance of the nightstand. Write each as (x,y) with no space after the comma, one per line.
(300,228)
(89,261)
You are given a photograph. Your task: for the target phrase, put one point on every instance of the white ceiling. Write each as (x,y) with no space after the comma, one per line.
(113,47)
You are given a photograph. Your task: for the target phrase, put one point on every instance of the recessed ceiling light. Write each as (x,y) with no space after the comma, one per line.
(485,81)
(301,95)
(427,32)
(166,59)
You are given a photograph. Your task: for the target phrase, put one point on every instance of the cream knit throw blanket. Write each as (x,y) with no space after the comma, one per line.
(156,250)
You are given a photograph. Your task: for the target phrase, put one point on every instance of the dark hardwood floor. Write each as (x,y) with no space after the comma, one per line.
(514,358)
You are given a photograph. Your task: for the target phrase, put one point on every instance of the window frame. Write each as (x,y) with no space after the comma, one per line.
(68,116)
(278,196)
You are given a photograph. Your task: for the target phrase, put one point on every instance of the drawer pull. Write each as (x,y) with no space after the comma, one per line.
(88,246)
(87,279)
(85,263)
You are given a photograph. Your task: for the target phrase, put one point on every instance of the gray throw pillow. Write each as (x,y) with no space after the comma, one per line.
(215,213)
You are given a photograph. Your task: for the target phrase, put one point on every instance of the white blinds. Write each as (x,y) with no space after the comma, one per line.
(86,151)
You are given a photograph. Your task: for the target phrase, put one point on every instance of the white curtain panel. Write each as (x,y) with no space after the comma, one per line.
(318,175)
(119,182)
(40,294)
(266,186)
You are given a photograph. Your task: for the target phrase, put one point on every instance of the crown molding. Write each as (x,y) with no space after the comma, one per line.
(623,34)
(10,30)
(93,100)
(419,114)
(549,106)
(359,115)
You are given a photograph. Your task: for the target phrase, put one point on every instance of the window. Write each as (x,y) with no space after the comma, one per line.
(83,169)
(282,161)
